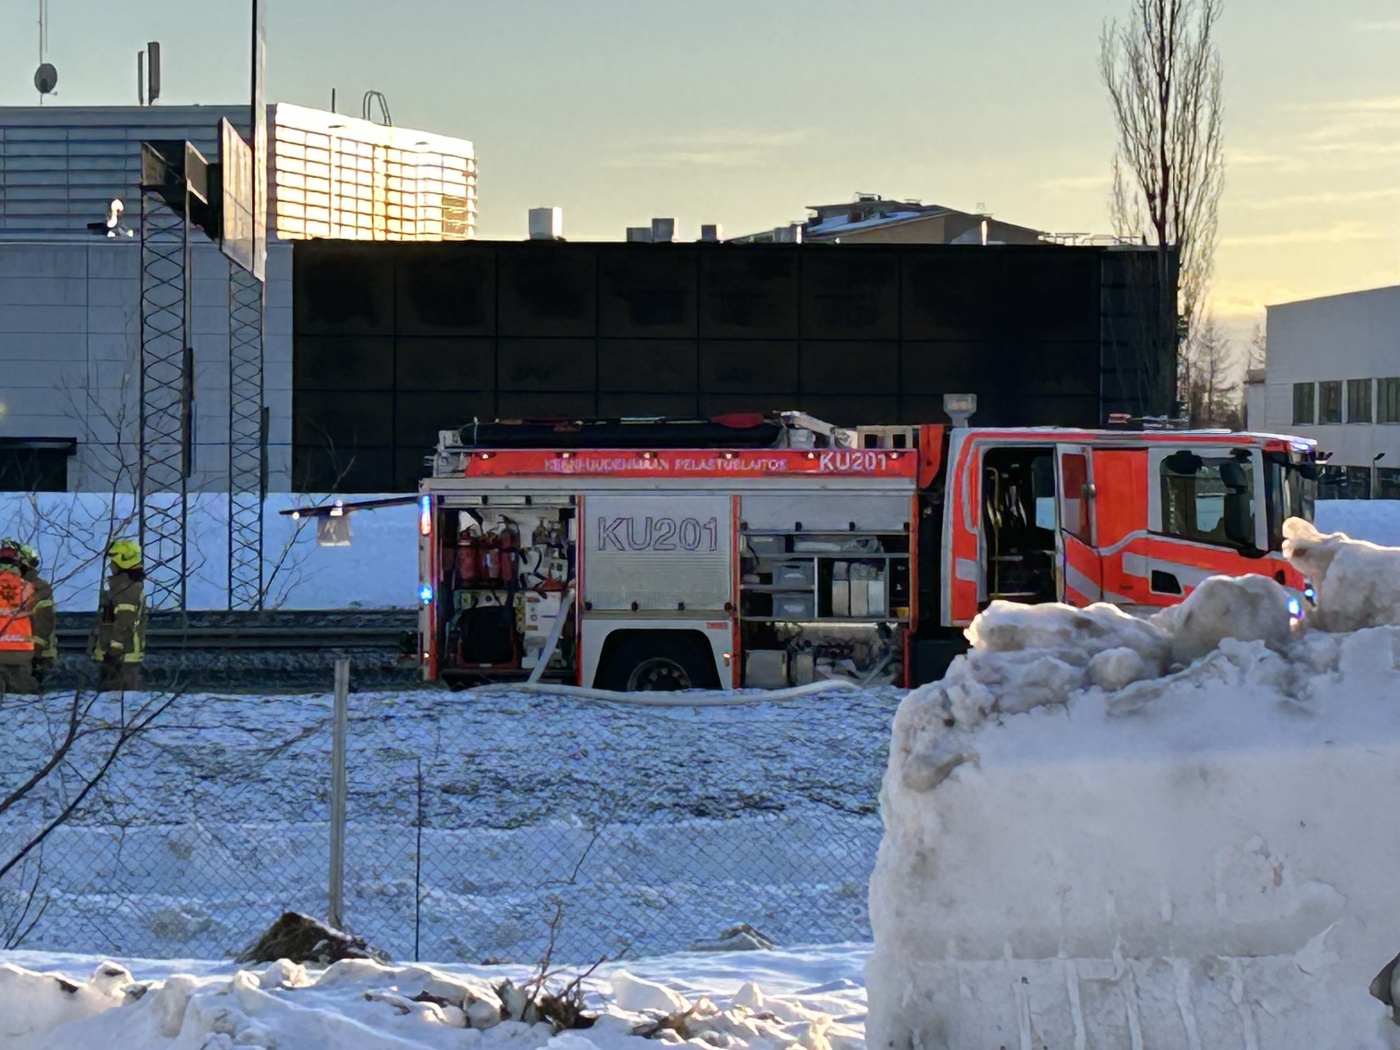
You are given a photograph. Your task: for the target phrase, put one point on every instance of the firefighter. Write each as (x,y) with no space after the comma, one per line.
(42,614)
(16,635)
(121,619)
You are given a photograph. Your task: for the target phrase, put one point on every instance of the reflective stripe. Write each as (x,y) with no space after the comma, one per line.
(125,608)
(1085,586)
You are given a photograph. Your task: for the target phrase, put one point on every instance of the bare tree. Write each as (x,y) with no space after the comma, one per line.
(1257,349)
(1211,379)
(1163,74)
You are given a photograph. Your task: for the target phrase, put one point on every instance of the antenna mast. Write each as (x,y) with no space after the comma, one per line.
(43,38)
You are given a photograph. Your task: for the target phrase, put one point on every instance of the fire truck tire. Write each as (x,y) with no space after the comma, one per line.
(664,663)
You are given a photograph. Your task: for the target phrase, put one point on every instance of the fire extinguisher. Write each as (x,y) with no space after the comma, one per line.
(506,547)
(488,565)
(468,548)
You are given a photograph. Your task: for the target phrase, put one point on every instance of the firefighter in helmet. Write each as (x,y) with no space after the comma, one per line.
(43,621)
(16,635)
(121,619)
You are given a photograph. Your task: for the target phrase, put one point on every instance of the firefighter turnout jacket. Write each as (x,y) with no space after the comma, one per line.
(16,632)
(121,619)
(43,622)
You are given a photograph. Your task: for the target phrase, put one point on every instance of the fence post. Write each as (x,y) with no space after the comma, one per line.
(335,891)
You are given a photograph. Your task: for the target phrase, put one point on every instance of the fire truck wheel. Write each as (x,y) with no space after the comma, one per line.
(665,664)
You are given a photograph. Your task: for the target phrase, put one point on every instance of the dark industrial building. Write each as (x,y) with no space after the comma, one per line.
(394,342)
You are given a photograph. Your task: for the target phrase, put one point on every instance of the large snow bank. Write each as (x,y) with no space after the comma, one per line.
(757,1000)
(1083,851)
(1357,583)
(379,569)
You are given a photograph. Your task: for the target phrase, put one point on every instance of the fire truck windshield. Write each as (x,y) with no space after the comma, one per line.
(1290,488)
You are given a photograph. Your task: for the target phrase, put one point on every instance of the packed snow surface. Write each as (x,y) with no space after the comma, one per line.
(656,828)
(1102,832)
(761,1000)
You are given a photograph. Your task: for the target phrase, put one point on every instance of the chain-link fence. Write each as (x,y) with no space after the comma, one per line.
(478,826)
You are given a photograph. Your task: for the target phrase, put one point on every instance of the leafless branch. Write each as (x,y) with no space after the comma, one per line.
(1164,78)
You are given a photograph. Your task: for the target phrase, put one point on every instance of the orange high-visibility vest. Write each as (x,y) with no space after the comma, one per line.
(16,598)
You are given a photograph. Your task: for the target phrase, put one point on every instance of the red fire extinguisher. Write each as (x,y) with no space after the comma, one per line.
(468,550)
(506,545)
(488,563)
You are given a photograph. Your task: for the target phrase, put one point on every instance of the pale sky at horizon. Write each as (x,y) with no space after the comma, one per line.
(745,111)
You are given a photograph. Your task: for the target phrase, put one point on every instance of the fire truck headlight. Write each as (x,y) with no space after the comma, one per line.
(425,515)
(1295,609)
(425,593)
(1310,594)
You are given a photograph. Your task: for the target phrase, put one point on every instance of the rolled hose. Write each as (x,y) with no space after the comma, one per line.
(690,698)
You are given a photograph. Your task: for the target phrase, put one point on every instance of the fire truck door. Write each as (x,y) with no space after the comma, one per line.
(1081,568)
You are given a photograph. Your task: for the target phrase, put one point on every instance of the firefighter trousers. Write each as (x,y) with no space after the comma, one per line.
(118,676)
(17,678)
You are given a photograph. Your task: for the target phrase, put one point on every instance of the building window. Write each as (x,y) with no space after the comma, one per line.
(1358,401)
(35,465)
(1387,483)
(1329,396)
(1304,404)
(1388,400)
(1208,500)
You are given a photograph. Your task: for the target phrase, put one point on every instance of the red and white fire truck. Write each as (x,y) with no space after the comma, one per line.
(768,551)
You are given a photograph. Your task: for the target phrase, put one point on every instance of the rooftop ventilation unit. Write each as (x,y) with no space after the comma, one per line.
(547,224)
(663,231)
(711,233)
(789,234)
(639,234)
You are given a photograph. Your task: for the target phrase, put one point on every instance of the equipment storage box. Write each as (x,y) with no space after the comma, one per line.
(840,590)
(793,574)
(763,546)
(793,607)
(766,669)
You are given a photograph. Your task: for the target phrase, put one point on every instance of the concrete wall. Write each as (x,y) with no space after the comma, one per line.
(1339,337)
(70,339)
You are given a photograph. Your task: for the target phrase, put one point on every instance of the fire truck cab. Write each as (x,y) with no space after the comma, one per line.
(768,551)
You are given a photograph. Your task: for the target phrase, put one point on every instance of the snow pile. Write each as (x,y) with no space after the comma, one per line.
(1177,832)
(359,1005)
(1357,583)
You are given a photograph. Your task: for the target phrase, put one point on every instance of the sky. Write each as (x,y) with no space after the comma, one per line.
(743,112)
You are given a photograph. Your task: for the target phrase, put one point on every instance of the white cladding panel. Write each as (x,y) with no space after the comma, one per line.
(657,551)
(870,511)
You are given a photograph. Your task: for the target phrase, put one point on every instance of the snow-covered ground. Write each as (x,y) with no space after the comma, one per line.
(379,569)
(762,1000)
(657,827)
(1084,847)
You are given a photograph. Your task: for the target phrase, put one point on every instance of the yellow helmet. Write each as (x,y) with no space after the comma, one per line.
(125,554)
(28,556)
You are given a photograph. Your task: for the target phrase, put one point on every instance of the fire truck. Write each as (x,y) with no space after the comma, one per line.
(770,551)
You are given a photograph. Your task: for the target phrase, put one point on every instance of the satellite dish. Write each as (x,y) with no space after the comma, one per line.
(46,78)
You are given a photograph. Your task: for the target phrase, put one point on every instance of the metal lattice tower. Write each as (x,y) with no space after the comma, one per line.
(167,394)
(247,484)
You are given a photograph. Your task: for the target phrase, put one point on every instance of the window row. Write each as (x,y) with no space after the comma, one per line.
(1355,401)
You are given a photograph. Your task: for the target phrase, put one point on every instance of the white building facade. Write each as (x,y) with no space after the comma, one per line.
(1333,374)
(70,323)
